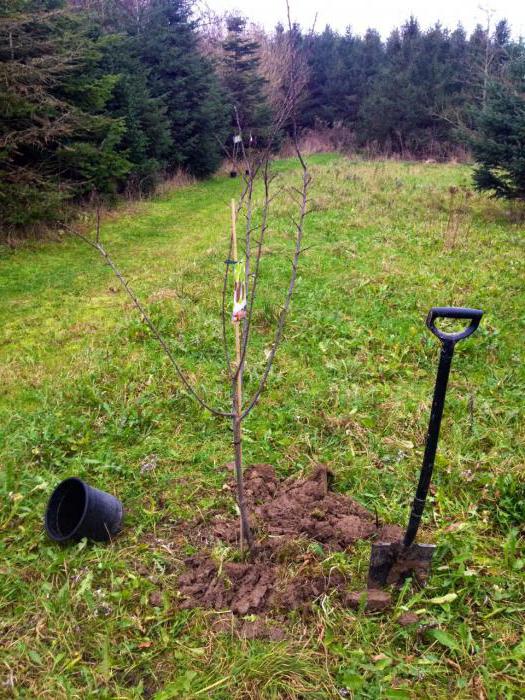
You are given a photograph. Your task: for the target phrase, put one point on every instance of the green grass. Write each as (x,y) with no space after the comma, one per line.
(85,390)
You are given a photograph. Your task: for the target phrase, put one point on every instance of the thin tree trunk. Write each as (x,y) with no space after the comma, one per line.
(245,532)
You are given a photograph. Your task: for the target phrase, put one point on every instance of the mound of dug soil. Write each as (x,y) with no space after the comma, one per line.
(283,573)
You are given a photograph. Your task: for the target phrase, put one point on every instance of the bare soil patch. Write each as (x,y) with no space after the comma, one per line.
(283,572)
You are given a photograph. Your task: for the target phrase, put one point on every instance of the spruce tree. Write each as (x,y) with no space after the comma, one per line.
(56,143)
(187,85)
(341,72)
(325,87)
(499,144)
(243,85)
(395,108)
(409,98)
(147,140)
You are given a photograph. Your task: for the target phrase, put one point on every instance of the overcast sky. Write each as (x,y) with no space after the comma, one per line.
(383,15)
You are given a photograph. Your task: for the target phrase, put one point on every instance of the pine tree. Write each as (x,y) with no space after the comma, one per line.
(243,84)
(454,109)
(369,61)
(499,144)
(187,85)
(341,72)
(55,141)
(486,58)
(395,108)
(412,92)
(325,87)
(147,138)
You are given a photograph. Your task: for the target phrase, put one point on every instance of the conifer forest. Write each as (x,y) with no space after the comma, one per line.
(115,96)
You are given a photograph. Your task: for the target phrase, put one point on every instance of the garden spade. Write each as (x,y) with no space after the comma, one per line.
(393,562)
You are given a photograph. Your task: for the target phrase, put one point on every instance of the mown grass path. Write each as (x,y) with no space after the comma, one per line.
(85,390)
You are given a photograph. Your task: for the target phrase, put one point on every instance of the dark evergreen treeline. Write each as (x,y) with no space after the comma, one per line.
(412,94)
(426,94)
(112,96)
(99,97)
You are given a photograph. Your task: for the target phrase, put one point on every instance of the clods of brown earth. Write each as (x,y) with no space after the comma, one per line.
(282,573)
(408,618)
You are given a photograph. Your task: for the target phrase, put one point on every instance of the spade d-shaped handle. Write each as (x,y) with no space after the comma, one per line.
(474,315)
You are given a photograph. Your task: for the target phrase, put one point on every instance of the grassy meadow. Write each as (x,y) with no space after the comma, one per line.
(85,390)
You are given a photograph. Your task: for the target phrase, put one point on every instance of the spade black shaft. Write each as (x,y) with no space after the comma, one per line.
(393,562)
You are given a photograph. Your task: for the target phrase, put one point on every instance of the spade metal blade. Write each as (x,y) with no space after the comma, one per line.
(392,563)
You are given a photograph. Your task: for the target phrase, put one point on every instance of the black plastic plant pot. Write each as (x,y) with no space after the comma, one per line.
(77,510)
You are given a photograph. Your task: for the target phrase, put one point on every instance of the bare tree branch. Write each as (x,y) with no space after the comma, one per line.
(306,179)
(101,250)
(255,165)
(97,239)
(267,178)
(284,312)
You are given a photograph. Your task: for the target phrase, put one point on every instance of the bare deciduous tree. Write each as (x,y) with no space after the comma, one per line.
(256,166)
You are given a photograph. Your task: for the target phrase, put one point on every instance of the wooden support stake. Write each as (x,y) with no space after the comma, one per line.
(236,324)
(237,408)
